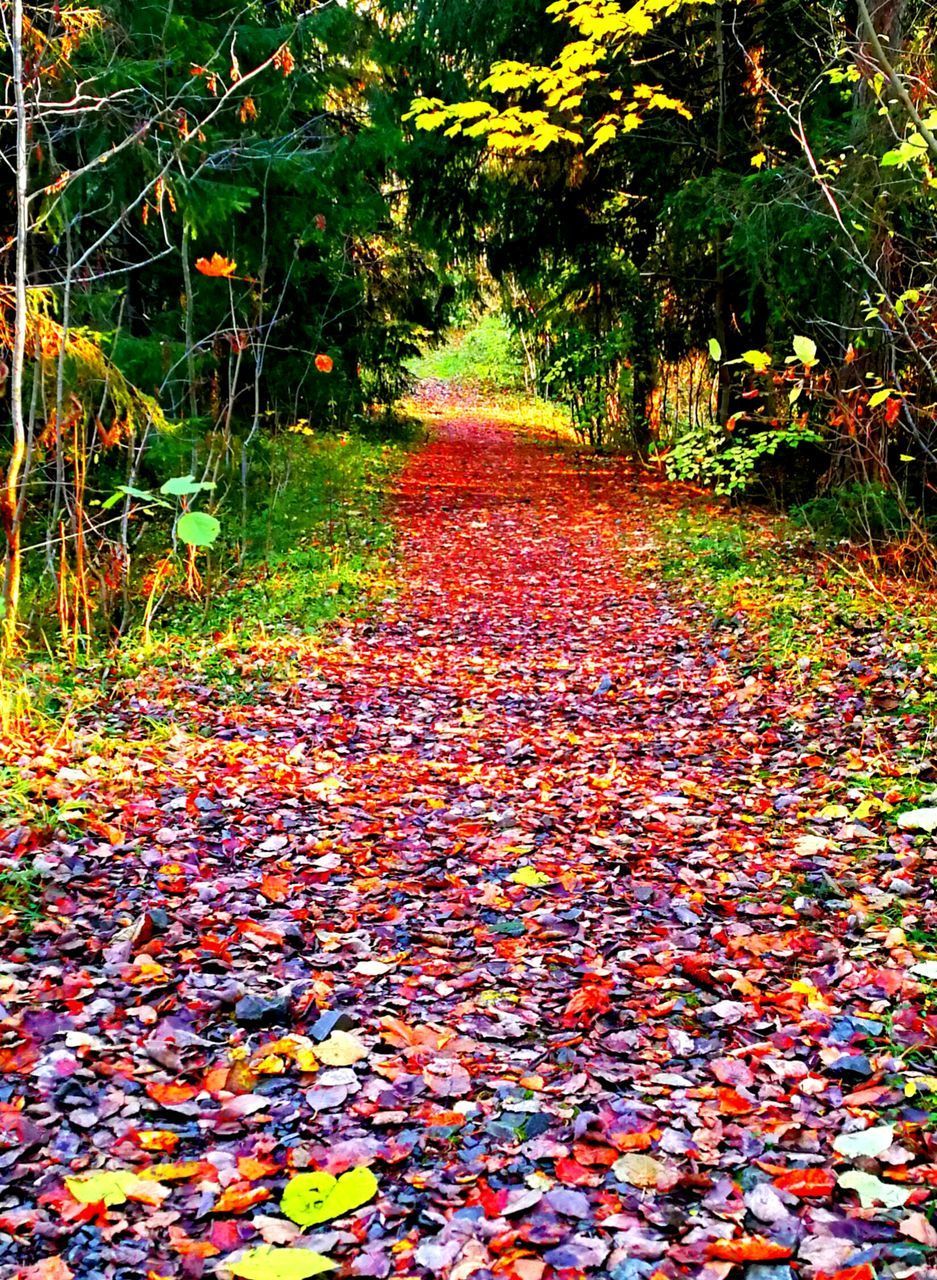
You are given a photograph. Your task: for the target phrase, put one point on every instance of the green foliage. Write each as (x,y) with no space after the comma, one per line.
(862,512)
(487,354)
(21,895)
(706,453)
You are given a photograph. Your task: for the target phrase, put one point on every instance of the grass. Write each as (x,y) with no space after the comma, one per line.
(315,542)
(486,354)
(801,609)
(20,896)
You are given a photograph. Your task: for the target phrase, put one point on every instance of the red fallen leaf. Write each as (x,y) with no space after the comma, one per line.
(19,1060)
(587,1154)
(216,266)
(592,999)
(170,1094)
(807,1184)
(865,1271)
(324,363)
(491,1199)
(574,1174)
(748,1249)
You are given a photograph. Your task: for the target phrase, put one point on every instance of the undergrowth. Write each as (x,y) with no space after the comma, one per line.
(486,354)
(801,609)
(312,543)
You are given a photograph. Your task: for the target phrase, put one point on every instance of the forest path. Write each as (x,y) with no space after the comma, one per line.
(511,855)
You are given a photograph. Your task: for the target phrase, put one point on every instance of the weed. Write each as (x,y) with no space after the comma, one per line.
(21,895)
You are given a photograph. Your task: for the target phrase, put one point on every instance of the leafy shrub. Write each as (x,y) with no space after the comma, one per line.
(856,512)
(705,453)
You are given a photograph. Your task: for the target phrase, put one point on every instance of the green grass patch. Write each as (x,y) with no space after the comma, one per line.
(487,354)
(800,609)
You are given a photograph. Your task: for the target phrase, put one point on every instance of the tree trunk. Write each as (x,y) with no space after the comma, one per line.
(12,490)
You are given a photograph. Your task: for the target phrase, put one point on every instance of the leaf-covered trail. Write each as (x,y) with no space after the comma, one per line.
(512,859)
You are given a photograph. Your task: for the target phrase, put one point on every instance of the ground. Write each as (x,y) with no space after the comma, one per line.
(520,893)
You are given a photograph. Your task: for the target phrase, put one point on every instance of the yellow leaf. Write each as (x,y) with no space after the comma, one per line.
(113,1187)
(311,1198)
(341,1050)
(529,876)
(268,1263)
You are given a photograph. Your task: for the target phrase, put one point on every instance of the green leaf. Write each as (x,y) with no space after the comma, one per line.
(269,1263)
(184,486)
(715,349)
(310,1198)
(198,529)
(805,349)
(869,1142)
(872,1190)
(759,360)
(128,491)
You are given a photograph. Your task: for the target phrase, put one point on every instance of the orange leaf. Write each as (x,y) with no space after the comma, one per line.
(240,1197)
(170,1094)
(634,1141)
(807,1184)
(216,266)
(275,888)
(324,363)
(158,1139)
(252,1169)
(731,1103)
(748,1249)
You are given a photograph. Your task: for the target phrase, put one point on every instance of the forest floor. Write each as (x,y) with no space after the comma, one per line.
(545,893)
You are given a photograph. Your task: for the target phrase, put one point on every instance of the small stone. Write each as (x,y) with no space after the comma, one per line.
(851,1066)
(258,1011)
(328,1021)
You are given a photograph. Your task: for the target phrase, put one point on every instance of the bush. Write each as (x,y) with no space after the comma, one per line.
(856,512)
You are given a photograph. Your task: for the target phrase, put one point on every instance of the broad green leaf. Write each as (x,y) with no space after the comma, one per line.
(311,1198)
(918,820)
(805,349)
(269,1263)
(198,529)
(530,877)
(184,486)
(872,1190)
(869,1142)
(128,491)
(715,349)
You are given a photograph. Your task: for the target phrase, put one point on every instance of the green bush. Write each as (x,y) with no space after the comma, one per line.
(856,512)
